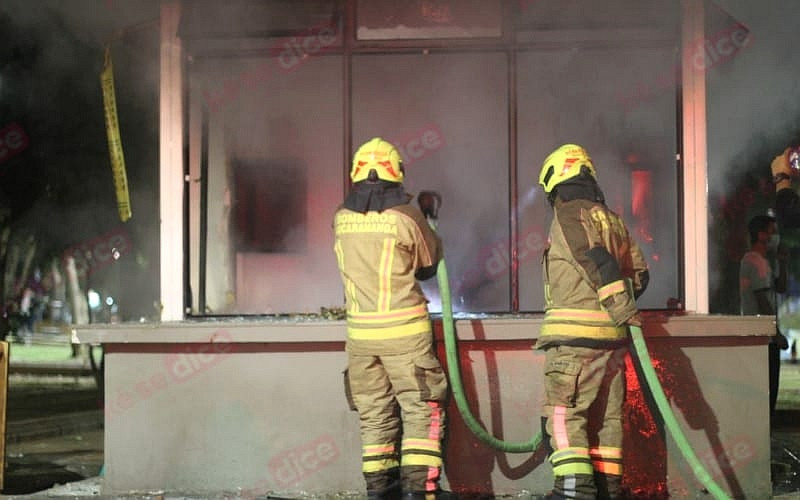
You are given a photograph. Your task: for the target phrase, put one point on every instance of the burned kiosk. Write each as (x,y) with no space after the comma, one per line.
(238,387)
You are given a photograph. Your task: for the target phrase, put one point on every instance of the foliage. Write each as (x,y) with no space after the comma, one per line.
(38,352)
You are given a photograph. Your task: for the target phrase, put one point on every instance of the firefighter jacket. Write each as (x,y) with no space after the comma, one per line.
(380,256)
(588,267)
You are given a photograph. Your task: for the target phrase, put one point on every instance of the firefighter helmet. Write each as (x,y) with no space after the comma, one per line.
(379,155)
(563,164)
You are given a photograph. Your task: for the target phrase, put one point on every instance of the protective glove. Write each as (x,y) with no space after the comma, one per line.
(781,171)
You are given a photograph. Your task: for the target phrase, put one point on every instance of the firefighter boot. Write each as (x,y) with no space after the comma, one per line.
(383,485)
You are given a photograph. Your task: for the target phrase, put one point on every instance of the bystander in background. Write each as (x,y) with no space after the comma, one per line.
(759,284)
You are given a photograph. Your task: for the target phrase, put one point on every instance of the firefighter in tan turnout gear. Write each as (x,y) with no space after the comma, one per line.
(384,245)
(593,271)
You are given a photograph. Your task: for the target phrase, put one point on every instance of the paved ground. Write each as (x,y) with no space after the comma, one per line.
(55,440)
(38,465)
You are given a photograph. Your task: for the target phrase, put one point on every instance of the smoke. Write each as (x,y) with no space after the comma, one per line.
(619,103)
(752,116)
(744,123)
(60,188)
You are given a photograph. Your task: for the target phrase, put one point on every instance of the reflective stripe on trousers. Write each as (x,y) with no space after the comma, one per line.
(385,387)
(582,417)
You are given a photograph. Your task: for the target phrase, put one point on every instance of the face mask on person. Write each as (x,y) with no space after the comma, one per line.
(773,242)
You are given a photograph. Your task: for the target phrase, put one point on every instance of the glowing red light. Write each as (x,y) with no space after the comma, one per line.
(641,194)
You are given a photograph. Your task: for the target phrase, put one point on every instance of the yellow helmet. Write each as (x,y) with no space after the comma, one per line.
(379,155)
(563,164)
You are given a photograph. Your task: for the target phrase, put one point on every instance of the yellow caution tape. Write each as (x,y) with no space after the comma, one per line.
(114,140)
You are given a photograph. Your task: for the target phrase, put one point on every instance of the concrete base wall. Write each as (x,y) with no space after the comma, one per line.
(258,406)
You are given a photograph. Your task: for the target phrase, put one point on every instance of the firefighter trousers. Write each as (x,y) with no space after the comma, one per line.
(400,402)
(582,420)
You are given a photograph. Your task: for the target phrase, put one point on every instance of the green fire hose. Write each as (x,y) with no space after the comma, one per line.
(645,364)
(641,356)
(454,370)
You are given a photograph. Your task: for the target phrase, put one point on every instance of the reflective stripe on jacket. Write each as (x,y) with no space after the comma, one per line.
(575,285)
(378,256)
